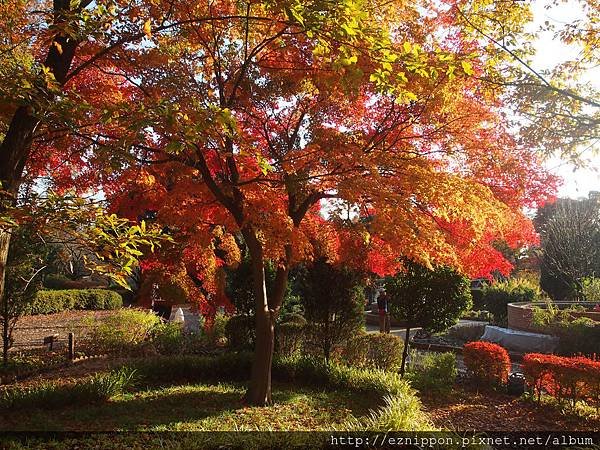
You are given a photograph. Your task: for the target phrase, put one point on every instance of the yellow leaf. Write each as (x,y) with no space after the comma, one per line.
(148,28)
(467,67)
(58,47)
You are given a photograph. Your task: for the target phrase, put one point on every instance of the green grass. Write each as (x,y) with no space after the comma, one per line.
(200,407)
(49,395)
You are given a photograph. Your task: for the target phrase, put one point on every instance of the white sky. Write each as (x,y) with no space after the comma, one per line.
(576,182)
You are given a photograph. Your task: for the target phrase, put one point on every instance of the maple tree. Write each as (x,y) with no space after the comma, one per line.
(52,84)
(276,120)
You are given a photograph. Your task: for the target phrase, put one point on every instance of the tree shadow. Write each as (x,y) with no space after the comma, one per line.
(179,407)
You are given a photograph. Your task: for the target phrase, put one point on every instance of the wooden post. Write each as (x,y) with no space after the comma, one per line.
(71,346)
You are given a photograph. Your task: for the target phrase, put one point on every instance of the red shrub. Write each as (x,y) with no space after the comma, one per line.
(566,378)
(488,363)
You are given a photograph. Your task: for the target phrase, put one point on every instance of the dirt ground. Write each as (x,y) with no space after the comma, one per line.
(466,409)
(31,330)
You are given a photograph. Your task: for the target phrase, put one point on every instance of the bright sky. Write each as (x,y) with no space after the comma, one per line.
(577,182)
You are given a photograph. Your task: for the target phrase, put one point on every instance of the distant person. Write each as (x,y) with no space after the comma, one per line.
(384,315)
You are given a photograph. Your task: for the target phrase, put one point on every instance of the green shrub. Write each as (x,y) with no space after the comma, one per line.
(590,288)
(216,330)
(356,351)
(289,336)
(434,372)
(385,351)
(376,350)
(168,338)
(576,336)
(401,412)
(98,387)
(240,333)
(49,302)
(123,331)
(499,295)
(481,315)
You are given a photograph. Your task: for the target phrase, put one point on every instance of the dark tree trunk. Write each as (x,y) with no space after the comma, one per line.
(4,245)
(5,343)
(267,310)
(405,351)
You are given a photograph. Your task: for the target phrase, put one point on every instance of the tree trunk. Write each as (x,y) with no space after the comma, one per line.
(405,351)
(267,310)
(4,245)
(5,343)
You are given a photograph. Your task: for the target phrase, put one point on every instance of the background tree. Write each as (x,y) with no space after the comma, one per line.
(334,303)
(570,245)
(558,109)
(52,79)
(429,298)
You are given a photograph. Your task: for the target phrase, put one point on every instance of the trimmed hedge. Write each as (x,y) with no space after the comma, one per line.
(575,378)
(487,362)
(376,350)
(49,301)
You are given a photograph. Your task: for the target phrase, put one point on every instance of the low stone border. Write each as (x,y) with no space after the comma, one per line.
(520,314)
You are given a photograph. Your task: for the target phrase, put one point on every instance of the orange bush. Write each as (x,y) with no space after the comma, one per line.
(487,362)
(566,378)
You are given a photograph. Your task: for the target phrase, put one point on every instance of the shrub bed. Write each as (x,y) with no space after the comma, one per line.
(565,378)
(49,302)
(487,362)
(576,335)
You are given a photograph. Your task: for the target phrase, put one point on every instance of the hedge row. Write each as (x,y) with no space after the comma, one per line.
(48,302)
(565,378)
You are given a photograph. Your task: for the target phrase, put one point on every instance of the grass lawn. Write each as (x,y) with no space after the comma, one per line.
(199,407)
